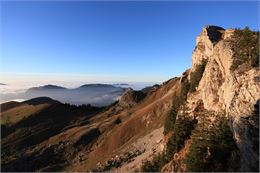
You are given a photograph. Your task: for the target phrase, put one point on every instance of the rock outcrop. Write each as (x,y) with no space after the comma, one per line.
(205,42)
(232,93)
(130,98)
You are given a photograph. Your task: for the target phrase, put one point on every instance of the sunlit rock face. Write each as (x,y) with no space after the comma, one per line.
(205,42)
(232,93)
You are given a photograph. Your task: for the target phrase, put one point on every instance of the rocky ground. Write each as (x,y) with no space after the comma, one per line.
(133,156)
(151,144)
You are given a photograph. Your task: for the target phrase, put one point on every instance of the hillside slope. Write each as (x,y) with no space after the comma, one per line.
(78,137)
(33,134)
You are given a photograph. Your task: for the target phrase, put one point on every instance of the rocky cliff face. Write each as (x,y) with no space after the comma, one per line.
(232,93)
(215,109)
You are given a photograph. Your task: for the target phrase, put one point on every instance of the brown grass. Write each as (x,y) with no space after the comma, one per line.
(146,116)
(20,112)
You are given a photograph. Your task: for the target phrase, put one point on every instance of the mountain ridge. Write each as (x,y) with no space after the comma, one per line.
(95,94)
(51,86)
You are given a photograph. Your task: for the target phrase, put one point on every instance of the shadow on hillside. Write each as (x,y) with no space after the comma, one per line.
(26,134)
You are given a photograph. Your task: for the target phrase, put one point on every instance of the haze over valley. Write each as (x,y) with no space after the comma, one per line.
(94,94)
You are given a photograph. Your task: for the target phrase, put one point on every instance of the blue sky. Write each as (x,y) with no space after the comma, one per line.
(116,41)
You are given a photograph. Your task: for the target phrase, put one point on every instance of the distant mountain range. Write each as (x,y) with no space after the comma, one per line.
(94,94)
(45,87)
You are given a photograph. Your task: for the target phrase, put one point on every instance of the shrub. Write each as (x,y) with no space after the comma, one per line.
(182,127)
(185,87)
(170,119)
(117,121)
(211,147)
(196,76)
(176,103)
(246,48)
(182,131)
(155,165)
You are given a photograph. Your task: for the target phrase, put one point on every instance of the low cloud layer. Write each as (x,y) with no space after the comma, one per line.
(97,95)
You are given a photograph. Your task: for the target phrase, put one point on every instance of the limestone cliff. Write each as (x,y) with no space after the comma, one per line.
(223,90)
(233,93)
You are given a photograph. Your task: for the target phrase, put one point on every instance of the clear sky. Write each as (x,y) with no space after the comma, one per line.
(109,41)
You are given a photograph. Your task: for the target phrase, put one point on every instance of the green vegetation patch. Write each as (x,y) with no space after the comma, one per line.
(155,165)
(211,147)
(245,44)
(196,76)
(176,103)
(182,131)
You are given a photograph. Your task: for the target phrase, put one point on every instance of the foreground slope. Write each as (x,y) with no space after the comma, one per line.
(142,119)
(25,137)
(82,138)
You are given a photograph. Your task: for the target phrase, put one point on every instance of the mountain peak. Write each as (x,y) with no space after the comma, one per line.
(211,34)
(46,87)
(213,27)
(96,85)
(214,33)
(206,41)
